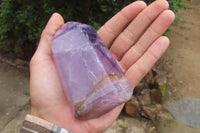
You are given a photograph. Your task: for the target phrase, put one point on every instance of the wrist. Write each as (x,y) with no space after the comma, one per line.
(36,124)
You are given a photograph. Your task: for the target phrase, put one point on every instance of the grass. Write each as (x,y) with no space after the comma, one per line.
(163,88)
(184,6)
(27,93)
(21,83)
(179,21)
(183,21)
(166,32)
(187,38)
(182,27)
(175,5)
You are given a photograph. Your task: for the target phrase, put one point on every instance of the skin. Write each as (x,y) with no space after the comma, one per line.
(135,37)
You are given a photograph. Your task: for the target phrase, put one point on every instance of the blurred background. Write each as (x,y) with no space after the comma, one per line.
(22,21)
(165,101)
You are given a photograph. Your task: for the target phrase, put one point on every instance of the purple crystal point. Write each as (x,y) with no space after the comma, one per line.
(92,80)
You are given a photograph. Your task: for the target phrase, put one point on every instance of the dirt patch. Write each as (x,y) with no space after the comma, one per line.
(14,88)
(182,60)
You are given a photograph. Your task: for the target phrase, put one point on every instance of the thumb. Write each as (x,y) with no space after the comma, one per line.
(54,23)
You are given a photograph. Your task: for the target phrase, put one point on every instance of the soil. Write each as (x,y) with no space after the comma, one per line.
(182,60)
(14,88)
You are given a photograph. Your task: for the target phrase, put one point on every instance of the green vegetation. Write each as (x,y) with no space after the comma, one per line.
(182,27)
(22,21)
(178,20)
(166,32)
(163,88)
(27,93)
(175,5)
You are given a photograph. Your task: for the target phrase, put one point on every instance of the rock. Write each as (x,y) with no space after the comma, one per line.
(132,107)
(93,81)
(150,112)
(139,88)
(149,78)
(156,96)
(164,116)
(144,98)
(187,111)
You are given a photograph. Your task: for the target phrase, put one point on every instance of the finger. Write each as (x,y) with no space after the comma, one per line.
(136,28)
(137,71)
(111,29)
(158,27)
(54,23)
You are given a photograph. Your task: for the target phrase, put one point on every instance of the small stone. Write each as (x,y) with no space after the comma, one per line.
(187,111)
(169,93)
(150,112)
(161,79)
(156,96)
(149,78)
(139,88)
(92,80)
(174,90)
(164,116)
(144,98)
(132,107)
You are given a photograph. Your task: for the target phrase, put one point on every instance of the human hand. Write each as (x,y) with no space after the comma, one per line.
(135,37)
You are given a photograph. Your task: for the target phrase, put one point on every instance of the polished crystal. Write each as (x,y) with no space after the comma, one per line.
(92,80)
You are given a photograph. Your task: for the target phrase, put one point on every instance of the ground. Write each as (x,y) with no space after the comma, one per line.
(181,64)
(183,55)
(14,96)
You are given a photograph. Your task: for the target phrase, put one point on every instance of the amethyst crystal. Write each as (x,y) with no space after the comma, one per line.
(92,80)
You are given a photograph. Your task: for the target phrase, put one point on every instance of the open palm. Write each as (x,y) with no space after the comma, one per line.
(134,36)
